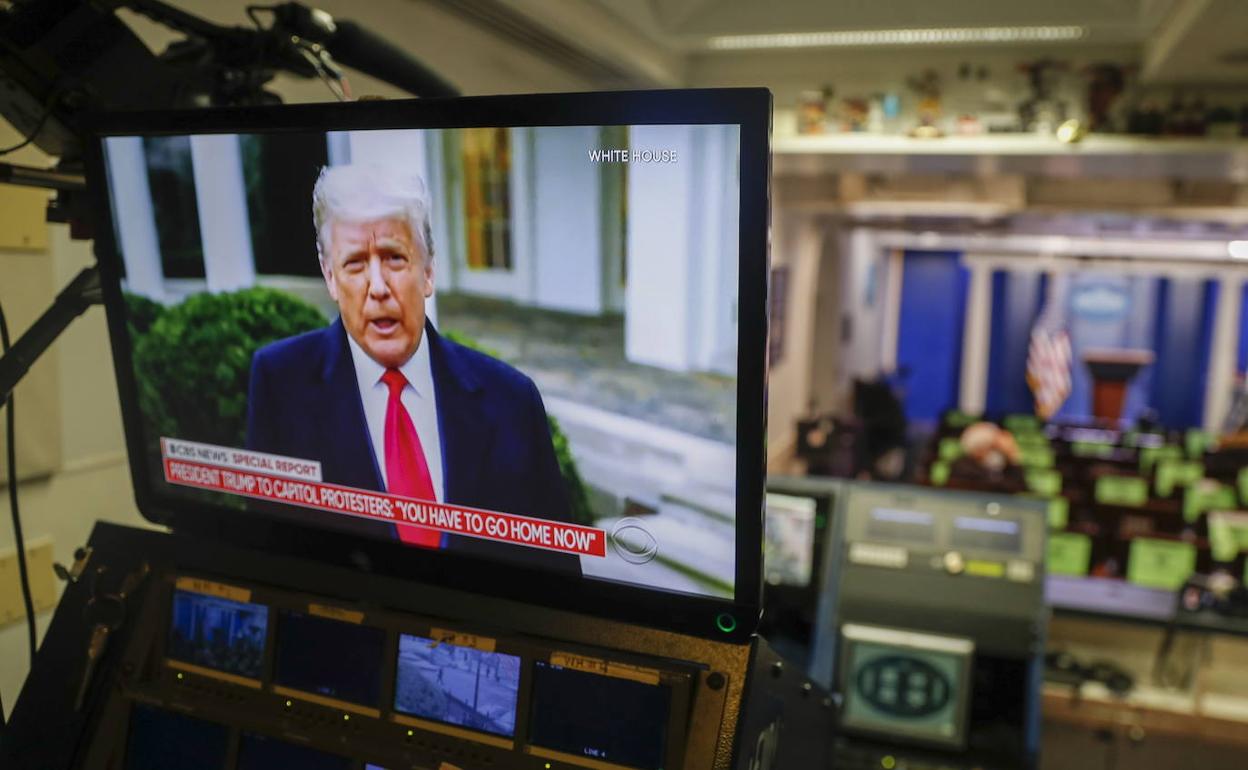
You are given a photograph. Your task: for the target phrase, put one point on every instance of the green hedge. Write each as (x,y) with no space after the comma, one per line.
(141,313)
(195,359)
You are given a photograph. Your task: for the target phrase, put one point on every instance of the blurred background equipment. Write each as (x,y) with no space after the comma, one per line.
(931,627)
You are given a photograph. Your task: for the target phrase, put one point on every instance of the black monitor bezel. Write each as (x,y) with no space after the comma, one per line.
(675,611)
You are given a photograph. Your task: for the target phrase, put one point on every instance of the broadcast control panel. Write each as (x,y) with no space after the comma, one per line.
(259,677)
(250,669)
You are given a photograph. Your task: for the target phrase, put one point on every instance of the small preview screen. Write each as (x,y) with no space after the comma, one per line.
(457,685)
(218,634)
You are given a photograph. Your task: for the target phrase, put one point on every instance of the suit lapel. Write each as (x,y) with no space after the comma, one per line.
(466,434)
(345,427)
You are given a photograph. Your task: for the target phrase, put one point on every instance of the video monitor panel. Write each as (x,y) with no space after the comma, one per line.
(987,534)
(332,660)
(901,525)
(260,752)
(217,636)
(789,553)
(159,739)
(487,341)
(905,684)
(613,719)
(457,685)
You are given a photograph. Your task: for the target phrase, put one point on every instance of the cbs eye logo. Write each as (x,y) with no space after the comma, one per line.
(903,687)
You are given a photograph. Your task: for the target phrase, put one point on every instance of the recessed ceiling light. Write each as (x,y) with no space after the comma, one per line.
(1237,249)
(874,37)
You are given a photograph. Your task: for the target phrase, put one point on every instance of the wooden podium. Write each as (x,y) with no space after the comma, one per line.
(1112,371)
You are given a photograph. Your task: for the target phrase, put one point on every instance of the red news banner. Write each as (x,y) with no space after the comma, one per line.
(291,480)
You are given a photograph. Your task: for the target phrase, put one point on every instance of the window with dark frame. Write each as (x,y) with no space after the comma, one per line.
(171,178)
(486,157)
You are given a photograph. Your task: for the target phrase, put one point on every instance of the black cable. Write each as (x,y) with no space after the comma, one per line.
(43,119)
(10,430)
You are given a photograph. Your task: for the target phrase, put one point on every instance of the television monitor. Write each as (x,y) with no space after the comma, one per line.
(620,720)
(789,553)
(159,739)
(216,636)
(476,338)
(335,662)
(905,684)
(457,685)
(799,527)
(260,752)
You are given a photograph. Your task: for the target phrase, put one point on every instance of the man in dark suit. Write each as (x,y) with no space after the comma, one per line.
(385,403)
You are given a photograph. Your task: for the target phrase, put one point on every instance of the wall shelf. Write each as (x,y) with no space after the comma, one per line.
(1100,157)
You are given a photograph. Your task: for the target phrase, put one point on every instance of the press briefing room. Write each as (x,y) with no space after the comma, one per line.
(624,385)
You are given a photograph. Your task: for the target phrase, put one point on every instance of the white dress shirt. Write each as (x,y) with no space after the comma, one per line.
(417,397)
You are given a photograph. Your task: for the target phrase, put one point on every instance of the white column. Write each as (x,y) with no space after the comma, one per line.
(566,213)
(892,309)
(133,217)
(405,148)
(338,147)
(715,344)
(1223,352)
(683,248)
(661,230)
(973,389)
(221,195)
(526,252)
(863,261)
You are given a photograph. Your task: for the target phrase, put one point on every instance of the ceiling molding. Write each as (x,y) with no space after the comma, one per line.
(582,37)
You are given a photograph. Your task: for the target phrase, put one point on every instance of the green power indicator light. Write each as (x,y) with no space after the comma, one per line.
(888,762)
(726,623)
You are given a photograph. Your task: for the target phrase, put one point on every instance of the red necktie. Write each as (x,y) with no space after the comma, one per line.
(407,473)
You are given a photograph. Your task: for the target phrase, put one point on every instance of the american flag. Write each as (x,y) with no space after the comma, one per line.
(1049,355)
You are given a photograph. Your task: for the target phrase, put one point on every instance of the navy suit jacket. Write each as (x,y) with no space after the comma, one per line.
(497,452)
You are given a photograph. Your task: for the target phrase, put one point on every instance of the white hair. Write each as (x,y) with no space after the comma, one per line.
(366,192)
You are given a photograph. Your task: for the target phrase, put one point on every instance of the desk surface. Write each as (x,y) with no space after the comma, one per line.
(1213,717)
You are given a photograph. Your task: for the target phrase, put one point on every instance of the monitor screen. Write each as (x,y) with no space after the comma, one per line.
(217,636)
(160,739)
(259,752)
(457,685)
(789,553)
(540,345)
(987,534)
(613,719)
(905,684)
(902,525)
(328,659)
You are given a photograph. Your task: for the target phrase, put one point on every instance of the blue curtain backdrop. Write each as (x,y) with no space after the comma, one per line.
(1183,335)
(929,331)
(1017,299)
(1243,333)
(1171,317)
